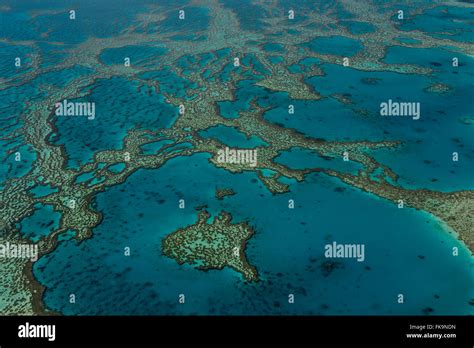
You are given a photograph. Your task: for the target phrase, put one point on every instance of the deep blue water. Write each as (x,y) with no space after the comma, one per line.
(403,249)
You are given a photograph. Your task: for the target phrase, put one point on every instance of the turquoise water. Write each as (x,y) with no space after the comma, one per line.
(407,40)
(454,23)
(299,158)
(154,147)
(275,59)
(407,251)
(56,25)
(427,144)
(117,168)
(403,249)
(85,177)
(42,222)
(232,137)
(51,54)
(139,55)
(43,190)
(62,77)
(246,92)
(337,45)
(359,28)
(8,60)
(116,113)
(250,60)
(274,47)
(11,168)
(199,20)
(12,101)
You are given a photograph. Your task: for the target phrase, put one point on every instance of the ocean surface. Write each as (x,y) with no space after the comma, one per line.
(407,251)
(403,249)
